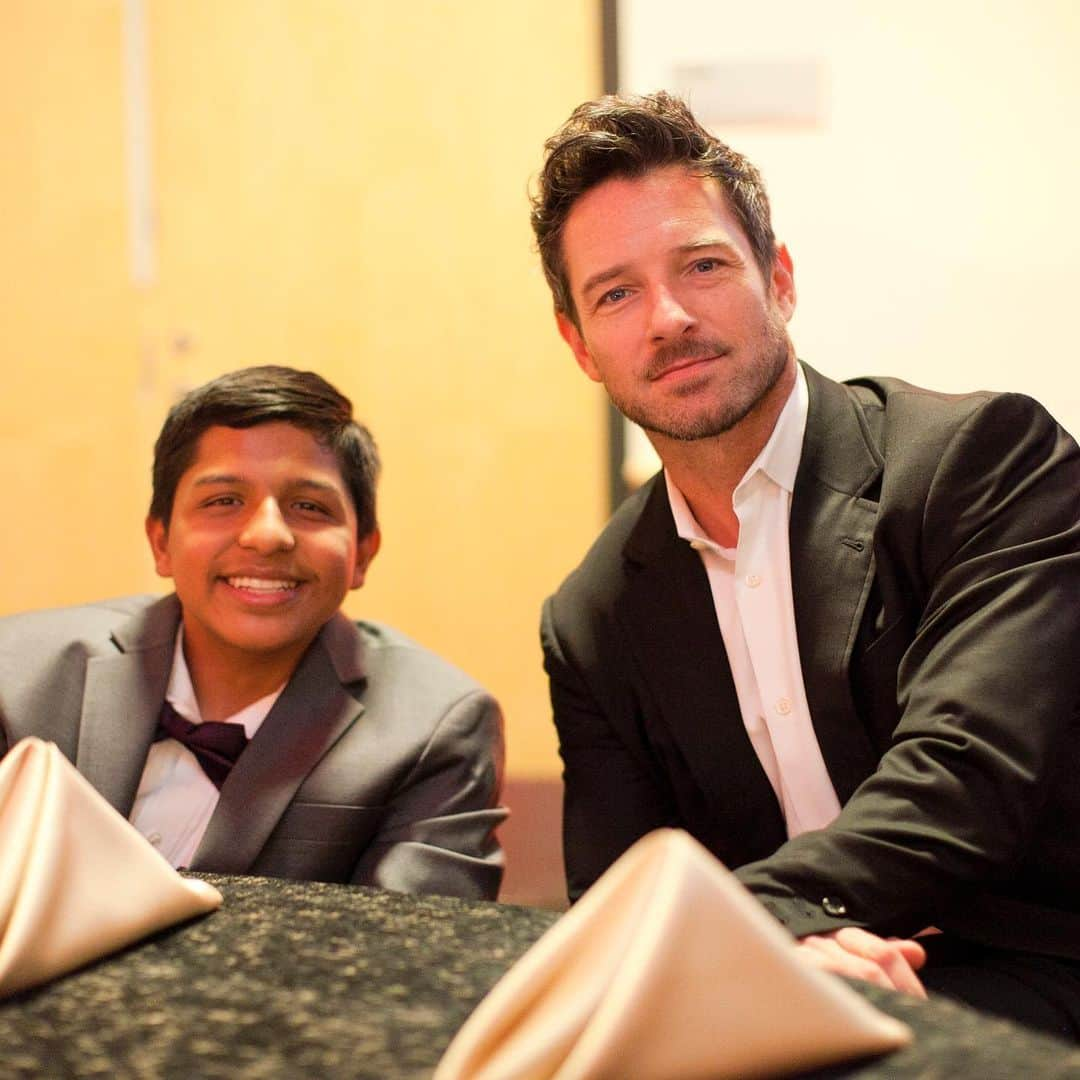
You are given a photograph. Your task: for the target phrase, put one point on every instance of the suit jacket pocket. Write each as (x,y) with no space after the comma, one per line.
(891,635)
(319,841)
(873,682)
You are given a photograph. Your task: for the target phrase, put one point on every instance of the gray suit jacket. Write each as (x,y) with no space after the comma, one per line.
(935,565)
(379,764)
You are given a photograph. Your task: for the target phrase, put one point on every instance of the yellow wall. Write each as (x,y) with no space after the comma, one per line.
(340,186)
(68,351)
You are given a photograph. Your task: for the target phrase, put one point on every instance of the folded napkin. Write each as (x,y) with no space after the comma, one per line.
(76,880)
(666,969)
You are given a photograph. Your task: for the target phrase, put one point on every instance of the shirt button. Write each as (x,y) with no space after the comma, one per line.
(783,706)
(155,839)
(753,580)
(833,907)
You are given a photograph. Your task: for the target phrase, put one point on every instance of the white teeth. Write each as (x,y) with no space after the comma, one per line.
(261,584)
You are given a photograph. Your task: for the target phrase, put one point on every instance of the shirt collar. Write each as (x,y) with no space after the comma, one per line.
(181,695)
(686,525)
(778,459)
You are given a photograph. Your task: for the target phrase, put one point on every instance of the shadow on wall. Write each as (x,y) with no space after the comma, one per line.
(532,841)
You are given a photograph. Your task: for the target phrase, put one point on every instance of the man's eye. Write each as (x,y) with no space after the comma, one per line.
(613,296)
(706,266)
(222,500)
(310,507)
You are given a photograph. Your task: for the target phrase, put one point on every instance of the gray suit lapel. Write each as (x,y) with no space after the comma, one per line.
(313,712)
(833,515)
(121,702)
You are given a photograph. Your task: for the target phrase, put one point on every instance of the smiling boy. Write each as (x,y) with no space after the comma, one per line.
(243,724)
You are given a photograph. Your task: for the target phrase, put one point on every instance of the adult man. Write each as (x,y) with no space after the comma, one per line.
(830,639)
(370,759)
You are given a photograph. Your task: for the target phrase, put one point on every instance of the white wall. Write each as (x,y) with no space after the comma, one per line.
(931,210)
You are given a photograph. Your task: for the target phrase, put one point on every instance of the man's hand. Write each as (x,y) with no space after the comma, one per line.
(858,954)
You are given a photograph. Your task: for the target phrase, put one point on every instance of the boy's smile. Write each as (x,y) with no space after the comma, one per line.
(261,545)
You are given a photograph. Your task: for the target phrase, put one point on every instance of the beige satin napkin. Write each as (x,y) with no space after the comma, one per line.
(76,880)
(666,969)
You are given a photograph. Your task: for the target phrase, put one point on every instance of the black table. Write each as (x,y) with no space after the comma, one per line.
(292,979)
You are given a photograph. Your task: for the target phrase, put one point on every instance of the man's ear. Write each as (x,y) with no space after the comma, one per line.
(783,282)
(572,336)
(158,536)
(366,550)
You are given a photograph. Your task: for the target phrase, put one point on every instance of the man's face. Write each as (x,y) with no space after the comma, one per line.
(675,317)
(262,543)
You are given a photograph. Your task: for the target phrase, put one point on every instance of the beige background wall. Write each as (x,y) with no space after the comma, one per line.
(334,184)
(931,208)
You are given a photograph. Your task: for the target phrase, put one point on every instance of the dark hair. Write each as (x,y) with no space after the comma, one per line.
(616,136)
(262,395)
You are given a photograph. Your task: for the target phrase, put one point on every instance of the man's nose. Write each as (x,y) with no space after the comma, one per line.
(266,530)
(670,317)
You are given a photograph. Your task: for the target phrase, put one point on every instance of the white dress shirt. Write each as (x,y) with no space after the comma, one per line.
(176,798)
(751,590)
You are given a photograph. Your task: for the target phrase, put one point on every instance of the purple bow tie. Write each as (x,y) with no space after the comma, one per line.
(216,745)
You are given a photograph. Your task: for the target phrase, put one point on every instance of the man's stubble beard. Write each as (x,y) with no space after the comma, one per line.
(740,396)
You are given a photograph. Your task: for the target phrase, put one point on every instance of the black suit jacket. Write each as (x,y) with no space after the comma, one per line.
(936,580)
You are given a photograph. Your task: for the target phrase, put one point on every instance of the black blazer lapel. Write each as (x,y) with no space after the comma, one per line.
(312,713)
(122,698)
(833,514)
(669,618)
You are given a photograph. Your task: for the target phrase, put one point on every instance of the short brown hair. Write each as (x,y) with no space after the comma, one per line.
(262,395)
(616,136)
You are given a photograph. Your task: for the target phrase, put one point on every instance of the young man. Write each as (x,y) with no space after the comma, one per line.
(359,756)
(831,638)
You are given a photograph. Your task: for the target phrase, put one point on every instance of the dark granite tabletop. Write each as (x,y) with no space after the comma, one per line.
(292,979)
